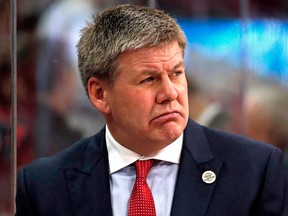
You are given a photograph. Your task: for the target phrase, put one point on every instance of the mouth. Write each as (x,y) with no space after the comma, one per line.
(167,116)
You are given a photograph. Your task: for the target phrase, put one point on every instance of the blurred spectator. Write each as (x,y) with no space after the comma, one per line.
(24,132)
(24,114)
(52,132)
(205,109)
(266,107)
(62,117)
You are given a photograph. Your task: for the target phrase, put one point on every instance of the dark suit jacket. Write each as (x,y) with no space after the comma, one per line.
(75,181)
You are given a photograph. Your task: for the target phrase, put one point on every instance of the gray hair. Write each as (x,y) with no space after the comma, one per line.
(119,29)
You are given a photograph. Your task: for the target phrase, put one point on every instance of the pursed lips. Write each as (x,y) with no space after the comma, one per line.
(166,115)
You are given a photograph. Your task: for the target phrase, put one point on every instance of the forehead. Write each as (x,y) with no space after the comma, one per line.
(170,54)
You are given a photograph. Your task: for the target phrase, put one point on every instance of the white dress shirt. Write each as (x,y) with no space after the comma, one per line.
(161,178)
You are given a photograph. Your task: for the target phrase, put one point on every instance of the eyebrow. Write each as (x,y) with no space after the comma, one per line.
(179,64)
(150,72)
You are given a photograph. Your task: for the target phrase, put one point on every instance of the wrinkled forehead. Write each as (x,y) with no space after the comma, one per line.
(166,57)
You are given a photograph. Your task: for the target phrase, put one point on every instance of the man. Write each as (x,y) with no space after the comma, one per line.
(131,64)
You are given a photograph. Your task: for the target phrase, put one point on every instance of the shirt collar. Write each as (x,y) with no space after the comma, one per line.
(120,157)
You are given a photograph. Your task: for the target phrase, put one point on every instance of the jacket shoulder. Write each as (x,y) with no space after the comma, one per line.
(233,146)
(67,158)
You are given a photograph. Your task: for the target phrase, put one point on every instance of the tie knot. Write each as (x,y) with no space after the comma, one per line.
(143,167)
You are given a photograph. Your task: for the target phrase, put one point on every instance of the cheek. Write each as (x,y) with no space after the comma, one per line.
(142,104)
(134,102)
(183,95)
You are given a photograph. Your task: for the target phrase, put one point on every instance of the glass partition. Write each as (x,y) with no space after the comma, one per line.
(236,63)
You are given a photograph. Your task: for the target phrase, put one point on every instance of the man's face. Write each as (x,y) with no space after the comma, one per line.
(148,101)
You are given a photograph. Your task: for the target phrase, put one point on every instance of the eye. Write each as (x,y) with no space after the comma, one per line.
(176,73)
(147,80)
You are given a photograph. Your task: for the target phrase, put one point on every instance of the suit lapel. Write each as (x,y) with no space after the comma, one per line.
(192,195)
(88,181)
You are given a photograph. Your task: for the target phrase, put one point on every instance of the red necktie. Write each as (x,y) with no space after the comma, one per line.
(141,200)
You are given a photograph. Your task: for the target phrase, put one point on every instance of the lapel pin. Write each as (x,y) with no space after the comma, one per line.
(208,177)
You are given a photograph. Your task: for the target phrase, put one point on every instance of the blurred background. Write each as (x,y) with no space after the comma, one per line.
(236,63)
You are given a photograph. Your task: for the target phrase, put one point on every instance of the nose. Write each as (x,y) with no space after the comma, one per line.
(166,91)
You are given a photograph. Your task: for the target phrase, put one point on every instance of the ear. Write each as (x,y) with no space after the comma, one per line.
(97,94)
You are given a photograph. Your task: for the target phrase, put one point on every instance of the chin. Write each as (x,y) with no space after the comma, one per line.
(172,134)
